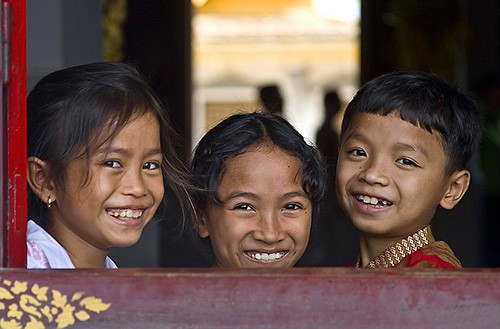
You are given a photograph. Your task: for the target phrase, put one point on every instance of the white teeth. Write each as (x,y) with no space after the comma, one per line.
(367,199)
(126,214)
(266,256)
(372,200)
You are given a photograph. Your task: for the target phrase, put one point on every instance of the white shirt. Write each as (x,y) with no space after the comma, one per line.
(45,252)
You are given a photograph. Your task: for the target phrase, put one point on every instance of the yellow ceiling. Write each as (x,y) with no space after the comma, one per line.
(251,6)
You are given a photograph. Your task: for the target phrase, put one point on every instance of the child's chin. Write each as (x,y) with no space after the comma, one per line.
(125,242)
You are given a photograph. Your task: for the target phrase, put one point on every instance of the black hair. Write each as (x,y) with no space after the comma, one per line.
(69,109)
(234,136)
(428,101)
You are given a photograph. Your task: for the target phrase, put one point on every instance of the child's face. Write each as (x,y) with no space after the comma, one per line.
(265,216)
(124,190)
(390,175)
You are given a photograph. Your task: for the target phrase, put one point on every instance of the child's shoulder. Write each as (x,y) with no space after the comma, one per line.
(43,251)
(436,254)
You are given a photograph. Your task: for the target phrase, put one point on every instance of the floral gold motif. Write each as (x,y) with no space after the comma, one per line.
(35,307)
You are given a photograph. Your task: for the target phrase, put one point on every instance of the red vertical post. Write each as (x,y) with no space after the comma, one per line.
(14,132)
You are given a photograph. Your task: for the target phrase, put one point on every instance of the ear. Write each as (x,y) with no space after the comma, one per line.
(458,185)
(201,224)
(38,179)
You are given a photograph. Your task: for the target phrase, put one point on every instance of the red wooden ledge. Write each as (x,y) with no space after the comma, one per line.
(295,298)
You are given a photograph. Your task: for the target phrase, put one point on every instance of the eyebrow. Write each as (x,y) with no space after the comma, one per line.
(293,194)
(357,136)
(239,194)
(126,152)
(412,147)
(253,196)
(401,146)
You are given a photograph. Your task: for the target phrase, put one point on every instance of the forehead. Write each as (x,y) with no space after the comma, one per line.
(137,124)
(262,154)
(392,120)
(392,130)
(261,167)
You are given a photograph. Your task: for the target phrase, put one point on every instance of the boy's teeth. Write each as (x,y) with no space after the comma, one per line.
(367,199)
(372,200)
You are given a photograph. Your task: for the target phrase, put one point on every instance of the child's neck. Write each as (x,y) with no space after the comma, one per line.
(370,248)
(87,258)
(81,253)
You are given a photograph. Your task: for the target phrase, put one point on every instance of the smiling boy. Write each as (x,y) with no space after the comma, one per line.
(405,143)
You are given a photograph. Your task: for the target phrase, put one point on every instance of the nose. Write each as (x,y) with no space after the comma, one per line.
(269,229)
(374,172)
(133,183)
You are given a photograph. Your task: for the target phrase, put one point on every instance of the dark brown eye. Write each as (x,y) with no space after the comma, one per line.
(406,162)
(112,164)
(151,165)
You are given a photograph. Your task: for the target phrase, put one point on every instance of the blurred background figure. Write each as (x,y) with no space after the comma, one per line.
(327,138)
(270,97)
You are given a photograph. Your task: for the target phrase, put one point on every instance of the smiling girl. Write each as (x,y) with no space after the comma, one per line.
(99,154)
(258,182)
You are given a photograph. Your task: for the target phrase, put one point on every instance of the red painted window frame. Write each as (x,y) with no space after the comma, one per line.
(14,207)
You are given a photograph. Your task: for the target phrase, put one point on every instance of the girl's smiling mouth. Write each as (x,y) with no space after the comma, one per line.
(266,257)
(125,214)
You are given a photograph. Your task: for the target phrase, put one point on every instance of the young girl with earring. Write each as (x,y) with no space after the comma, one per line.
(99,157)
